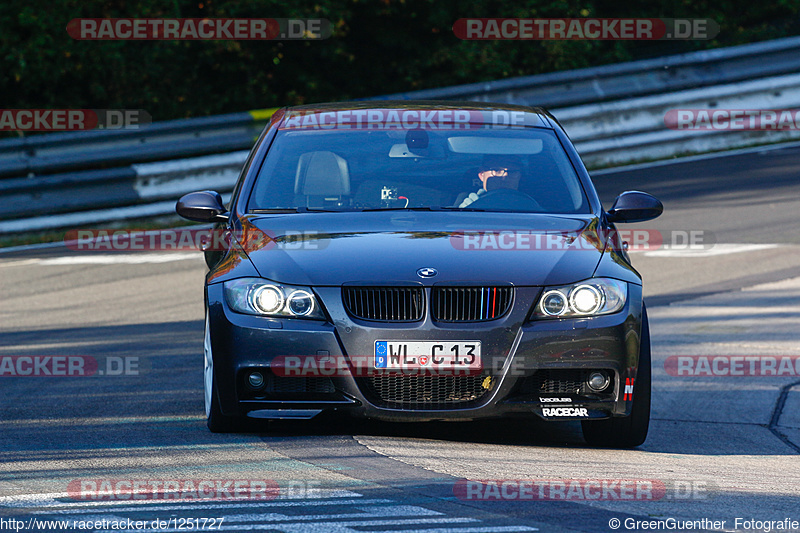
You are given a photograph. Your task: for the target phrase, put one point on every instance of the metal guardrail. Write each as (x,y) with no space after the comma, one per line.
(57,152)
(44,176)
(626,80)
(613,133)
(614,113)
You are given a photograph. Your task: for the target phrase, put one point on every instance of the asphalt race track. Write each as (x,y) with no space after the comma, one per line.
(721,448)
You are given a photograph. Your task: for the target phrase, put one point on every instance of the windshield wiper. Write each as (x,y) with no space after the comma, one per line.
(325,210)
(429,208)
(276,210)
(454,208)
(298,210)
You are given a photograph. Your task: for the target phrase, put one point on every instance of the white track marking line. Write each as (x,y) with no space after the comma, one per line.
(76,506)
(19,263)
(210,506)
(717,249)
(367,511)
(106,259)
(377,509)
(346,527)
(100,420)
(121,259)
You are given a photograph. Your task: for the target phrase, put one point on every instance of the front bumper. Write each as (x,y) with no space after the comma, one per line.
(534,368)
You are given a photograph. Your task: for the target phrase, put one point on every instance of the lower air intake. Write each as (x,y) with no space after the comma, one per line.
(425,391)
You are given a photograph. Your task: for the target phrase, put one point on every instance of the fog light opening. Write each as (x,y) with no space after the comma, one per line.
(255,380)
(598,381)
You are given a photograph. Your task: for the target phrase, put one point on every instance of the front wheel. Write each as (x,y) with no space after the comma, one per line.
(215,420)
(629,431)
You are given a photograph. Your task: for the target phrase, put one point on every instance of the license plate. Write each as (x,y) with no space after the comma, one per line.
(461,355)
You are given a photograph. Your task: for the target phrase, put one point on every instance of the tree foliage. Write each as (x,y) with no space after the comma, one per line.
(378,47)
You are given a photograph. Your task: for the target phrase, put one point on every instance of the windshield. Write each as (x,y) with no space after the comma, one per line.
(518,170)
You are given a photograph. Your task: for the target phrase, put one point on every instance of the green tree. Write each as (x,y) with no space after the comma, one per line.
(377,47)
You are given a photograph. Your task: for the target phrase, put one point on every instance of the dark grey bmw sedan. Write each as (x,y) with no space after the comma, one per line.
(423,261)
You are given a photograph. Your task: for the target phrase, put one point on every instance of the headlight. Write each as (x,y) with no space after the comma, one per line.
(255,296)
(597,296)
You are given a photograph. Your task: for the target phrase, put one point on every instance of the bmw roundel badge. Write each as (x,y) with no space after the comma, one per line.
(427,272)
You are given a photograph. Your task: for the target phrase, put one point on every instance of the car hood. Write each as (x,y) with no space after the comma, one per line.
(329,249)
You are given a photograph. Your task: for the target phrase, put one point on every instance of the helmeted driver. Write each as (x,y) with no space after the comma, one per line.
(496,172)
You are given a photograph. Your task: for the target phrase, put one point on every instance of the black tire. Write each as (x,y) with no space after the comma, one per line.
(628,431)
(219,423)
(215,420)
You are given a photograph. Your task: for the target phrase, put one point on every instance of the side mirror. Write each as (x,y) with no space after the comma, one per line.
(203,206)
(635,206)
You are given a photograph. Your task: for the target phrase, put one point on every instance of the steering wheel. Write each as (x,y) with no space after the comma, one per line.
(511,199)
